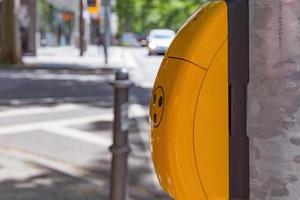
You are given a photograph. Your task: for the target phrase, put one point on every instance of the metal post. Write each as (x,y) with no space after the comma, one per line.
(81,28)
(33,27)
(120,148)
(107,32)
(238,81)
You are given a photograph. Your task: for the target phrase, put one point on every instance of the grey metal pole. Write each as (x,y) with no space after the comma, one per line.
(81,28)
(238,33)
(107,32)
(120,148)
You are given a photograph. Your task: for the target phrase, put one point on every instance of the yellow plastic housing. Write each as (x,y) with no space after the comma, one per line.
(189,109)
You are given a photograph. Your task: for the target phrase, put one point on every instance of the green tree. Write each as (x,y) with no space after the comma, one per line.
(126,10)
(142,15)
(46,15)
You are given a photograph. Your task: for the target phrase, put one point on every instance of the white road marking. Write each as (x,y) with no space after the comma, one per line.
(57,165)
(139,75)
(128,59)
(83,136)
(38,110)
(115,54)
(13,129)
(136,110)
(147,84)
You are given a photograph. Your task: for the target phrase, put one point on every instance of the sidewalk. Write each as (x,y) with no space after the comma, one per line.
(68,56)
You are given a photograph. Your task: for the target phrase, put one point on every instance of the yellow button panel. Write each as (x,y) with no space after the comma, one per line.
(189,109)
(157,107)
(172,138)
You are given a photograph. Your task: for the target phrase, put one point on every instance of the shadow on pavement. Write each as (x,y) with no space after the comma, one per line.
(50,88)
(49,184)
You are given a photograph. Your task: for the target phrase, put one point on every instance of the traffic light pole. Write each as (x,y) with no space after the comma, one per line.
(81,28)
(107,33)
(238,13)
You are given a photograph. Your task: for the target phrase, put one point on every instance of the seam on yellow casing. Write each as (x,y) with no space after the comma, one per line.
(203,68)
(182,59)
(200,180)
(226,39)
(200,89)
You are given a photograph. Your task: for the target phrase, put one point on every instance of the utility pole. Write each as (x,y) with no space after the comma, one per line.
(81,28)
(10,40)
(107,32)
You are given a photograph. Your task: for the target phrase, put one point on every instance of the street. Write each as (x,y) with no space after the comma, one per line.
(224,119)
(56,128)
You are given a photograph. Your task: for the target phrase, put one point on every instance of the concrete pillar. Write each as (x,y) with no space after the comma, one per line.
(274,99)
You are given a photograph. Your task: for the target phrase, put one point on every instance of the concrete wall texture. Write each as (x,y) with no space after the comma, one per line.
(274,99)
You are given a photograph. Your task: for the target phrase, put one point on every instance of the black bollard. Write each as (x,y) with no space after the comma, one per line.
(120,148)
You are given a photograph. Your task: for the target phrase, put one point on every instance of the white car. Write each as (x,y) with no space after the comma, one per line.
(159,40)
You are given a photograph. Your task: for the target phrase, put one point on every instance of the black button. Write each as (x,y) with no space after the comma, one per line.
(160,102)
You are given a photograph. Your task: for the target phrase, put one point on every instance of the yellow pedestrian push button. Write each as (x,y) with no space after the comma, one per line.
(190,109)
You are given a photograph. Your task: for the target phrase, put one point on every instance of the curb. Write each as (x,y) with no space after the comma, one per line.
(52,101)
(61,67)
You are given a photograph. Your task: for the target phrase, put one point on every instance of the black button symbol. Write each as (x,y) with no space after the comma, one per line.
(157,106)
(160,102)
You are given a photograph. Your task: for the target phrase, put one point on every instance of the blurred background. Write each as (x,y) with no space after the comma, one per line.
(56,104)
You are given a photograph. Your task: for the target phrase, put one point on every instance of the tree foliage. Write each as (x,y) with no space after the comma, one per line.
(140,16)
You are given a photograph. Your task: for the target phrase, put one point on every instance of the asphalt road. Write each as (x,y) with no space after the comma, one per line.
(29,86)
(146,67)
(56,127)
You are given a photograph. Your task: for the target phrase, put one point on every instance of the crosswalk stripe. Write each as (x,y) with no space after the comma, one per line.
(38,110)
(13,129)
(79,135)
(60,166)
(129,60)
